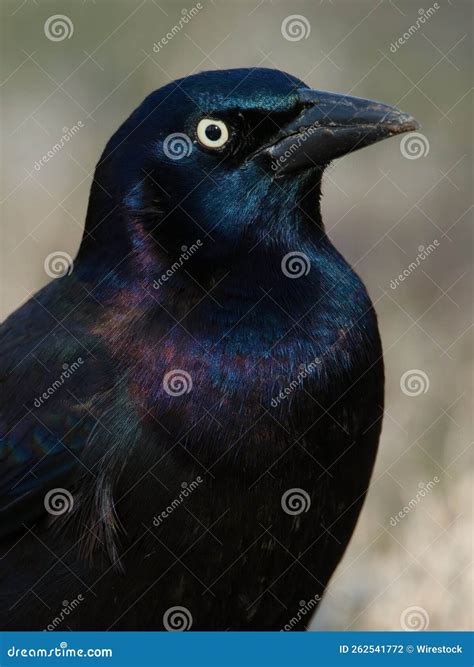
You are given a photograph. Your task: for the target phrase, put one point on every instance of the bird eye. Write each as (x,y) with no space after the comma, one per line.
(212,133)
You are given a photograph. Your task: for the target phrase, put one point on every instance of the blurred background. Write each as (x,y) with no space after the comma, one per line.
(77,68)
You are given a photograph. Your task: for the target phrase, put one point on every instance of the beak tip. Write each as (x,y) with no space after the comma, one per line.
(402,122)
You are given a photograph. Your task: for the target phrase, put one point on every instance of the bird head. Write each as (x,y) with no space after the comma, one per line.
(233,158)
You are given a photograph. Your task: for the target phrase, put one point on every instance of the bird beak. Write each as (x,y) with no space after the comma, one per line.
(330,126)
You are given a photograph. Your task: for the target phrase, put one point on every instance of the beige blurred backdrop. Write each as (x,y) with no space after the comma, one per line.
(381,207)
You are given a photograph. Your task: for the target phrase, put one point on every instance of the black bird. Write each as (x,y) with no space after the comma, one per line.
(190,417)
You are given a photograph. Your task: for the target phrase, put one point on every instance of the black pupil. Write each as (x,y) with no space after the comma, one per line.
(213,132)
